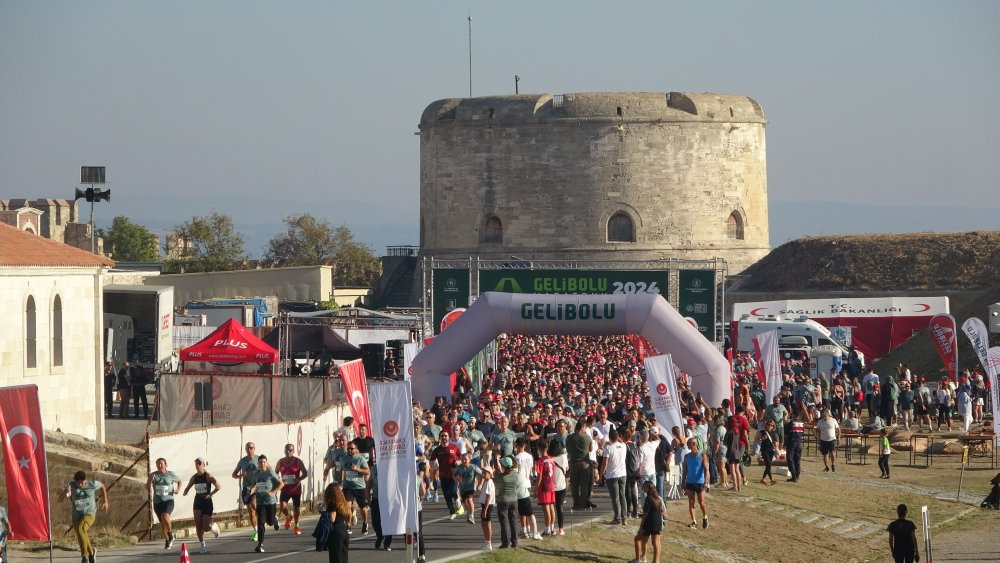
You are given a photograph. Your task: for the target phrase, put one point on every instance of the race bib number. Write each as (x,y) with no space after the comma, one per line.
(288,479)
(163,490)
(350,475)
(201,488)
(264,486)
(81,504)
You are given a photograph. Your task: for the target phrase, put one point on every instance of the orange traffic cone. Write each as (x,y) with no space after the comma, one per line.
(185,557)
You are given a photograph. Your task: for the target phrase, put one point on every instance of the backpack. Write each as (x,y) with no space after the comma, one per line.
(631,460)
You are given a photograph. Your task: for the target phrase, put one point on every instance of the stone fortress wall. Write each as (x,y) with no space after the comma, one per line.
(600,176)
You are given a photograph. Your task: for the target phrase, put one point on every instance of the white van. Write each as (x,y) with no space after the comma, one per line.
(800,332)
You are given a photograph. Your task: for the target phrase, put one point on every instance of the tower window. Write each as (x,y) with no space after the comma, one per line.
(493,232)
(734,226)
(621,228)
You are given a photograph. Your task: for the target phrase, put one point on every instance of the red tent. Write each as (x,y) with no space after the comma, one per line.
(230,343)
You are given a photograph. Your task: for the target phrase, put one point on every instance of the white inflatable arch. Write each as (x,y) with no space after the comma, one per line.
(591,315)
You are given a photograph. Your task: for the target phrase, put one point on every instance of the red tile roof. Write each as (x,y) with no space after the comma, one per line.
(21,248)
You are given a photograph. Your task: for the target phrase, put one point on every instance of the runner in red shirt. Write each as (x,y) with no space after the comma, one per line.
(292,471)
(447,455)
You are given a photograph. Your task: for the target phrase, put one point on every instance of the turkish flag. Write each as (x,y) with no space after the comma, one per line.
(24,463)
(356,387)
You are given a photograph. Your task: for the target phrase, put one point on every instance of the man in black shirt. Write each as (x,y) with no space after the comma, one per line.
(903,538)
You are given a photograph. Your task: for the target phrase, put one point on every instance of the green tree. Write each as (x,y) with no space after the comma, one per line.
(126,241)
(206,244)
(308,241)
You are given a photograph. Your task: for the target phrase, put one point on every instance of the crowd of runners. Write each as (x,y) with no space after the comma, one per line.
(558,417)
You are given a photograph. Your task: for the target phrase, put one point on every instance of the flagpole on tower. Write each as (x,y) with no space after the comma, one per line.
(470,54)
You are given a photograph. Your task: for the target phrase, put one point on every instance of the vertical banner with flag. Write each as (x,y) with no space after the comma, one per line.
(24,463)
(663,391)
(392,429)
(410,350)
(642,346)
(975,329)
(765,349)
(945,337)
(356,388)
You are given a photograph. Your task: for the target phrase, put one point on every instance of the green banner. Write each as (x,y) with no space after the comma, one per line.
(696,299)
(451,291)
(574,281)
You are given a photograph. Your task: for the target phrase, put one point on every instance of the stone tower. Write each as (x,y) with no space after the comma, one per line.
(602,176)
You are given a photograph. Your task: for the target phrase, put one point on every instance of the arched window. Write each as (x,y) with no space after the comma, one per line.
(734,226)
(620,228)
(57,332)
(31,334)
(493,231)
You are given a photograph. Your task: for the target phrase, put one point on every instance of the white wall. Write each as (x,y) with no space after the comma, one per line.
(71,395)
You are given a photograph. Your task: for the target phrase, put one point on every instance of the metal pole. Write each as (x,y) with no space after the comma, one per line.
(93,241)
(470,55)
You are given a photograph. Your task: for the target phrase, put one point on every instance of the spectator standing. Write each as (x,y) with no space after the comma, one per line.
(883,452)
(651,525)
(558,452)
(828,433)
(794,430)
(506,487)
(765,438)
(110,381)
(613,473)
(338,542)
(124,389)
(581,478)
(903,538)
(487,501)
(139,391)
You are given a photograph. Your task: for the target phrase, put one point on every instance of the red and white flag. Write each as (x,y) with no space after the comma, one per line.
(24,463)
(944,334)
(765,349)
(356,387)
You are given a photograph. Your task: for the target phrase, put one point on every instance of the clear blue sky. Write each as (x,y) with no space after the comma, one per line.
(882,115)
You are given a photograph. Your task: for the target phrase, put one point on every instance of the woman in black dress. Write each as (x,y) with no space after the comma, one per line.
(340,514)
(651,524)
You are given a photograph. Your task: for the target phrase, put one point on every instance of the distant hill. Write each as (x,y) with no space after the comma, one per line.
(879,262)
(963,266)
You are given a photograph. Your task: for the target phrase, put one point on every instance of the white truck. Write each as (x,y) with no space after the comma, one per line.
(799,335)
(138,325)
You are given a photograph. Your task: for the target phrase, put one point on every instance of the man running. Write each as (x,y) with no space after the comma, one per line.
(292,472)
(83,495)
(355,471)
(245,469)
(266,488)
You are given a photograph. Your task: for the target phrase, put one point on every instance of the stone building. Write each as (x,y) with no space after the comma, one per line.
(602,176)
(50,300)
(56,219)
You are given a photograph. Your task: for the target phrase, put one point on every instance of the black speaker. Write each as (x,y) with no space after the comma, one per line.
(373,358)
(397,353)
(202,396)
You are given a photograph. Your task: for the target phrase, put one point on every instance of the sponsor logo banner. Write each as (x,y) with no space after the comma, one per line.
(392,426)
(696,299)
(450,290)
(620,282)
(663,391)
(943,334)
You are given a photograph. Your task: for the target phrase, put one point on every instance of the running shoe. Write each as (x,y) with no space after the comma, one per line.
(470,519)
(461,510)
(254,536)
(259,548)
(215,529)
(693,524)
(704,522)
(487,546)
(364,529)
(170,540)
(297,530)
(288,522)
(276,525)
(204,548)
(452,516)
(562,532)
(536,536)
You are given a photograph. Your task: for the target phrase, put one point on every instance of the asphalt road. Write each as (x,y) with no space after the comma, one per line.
(445,539)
